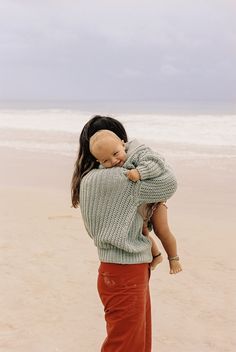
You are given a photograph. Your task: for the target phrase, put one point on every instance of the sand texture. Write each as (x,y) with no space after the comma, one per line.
(48,263)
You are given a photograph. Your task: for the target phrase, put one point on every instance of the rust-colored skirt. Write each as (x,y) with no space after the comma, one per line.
(124,292)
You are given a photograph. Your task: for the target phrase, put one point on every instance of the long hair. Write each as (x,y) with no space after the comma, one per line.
(85,161)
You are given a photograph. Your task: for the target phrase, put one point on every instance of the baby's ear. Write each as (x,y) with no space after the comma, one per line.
(123,143)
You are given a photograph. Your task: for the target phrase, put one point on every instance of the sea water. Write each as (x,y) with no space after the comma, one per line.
(57,130)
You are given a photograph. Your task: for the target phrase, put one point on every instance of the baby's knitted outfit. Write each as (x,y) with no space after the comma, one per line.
(148,163)
(148,160)
(109,202)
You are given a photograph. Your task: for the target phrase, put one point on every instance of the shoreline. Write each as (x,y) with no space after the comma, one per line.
(121,106)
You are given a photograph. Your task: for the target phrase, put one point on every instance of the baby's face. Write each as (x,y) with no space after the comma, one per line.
(110,152)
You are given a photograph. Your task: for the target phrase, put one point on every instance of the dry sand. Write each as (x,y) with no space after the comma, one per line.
(48,263)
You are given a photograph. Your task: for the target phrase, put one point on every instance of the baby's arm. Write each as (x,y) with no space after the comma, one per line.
(146,164)
(150,164)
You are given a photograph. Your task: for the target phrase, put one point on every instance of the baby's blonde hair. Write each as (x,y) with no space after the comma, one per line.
(101,135)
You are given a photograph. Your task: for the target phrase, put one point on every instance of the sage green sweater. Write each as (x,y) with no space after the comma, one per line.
(109,202)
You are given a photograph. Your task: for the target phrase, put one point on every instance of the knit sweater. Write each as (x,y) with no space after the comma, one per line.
(148,163)
(109,202)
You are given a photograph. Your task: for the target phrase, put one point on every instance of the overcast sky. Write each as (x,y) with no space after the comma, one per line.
(118,49)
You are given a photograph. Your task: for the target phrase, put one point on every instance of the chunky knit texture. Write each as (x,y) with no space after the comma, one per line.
(109,202)
(148,163)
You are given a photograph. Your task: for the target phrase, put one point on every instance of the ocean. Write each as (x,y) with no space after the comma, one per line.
(57,130)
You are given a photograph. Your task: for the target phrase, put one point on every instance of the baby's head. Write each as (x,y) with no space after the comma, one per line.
(108,148)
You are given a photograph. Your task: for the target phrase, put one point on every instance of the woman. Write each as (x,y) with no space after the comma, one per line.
(85,161)
(109,203)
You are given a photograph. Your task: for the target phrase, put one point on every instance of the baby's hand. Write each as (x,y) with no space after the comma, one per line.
(133,175)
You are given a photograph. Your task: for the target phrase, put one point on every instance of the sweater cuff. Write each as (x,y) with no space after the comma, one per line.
(146,172)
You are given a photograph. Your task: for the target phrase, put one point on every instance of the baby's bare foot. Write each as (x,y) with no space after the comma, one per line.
(156,260)
(175,267)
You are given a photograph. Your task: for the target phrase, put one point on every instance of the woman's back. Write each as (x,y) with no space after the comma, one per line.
(109,202)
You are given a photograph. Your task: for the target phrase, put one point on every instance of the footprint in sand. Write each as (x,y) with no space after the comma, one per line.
(6,329)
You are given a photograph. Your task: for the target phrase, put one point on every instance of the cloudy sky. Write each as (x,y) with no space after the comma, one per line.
(162,50)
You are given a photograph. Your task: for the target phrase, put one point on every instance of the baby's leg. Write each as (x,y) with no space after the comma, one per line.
(161,229)
(157,257)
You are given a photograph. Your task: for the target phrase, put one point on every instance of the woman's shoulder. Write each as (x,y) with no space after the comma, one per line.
(104,176)
(104,184)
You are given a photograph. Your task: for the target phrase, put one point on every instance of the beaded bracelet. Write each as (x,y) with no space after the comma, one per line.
(173,258)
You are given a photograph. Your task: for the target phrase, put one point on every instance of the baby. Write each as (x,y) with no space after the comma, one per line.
(141,163)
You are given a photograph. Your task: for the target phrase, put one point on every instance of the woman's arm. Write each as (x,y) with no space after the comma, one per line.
(157,189)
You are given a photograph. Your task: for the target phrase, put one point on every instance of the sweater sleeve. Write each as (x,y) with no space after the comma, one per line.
(157,189)
(150,164)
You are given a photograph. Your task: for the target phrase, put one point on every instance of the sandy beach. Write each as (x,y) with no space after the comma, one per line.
(49,301)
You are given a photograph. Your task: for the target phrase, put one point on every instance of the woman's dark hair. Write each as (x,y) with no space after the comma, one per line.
(85,160)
